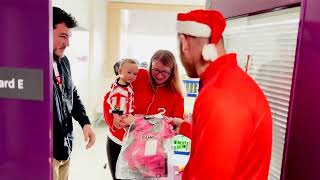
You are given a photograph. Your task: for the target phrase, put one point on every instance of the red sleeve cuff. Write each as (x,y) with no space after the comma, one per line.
(185,129)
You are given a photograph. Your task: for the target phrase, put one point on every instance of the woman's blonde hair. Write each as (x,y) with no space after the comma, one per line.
(166,58)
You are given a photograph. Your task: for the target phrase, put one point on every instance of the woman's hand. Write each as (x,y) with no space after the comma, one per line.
(176,122)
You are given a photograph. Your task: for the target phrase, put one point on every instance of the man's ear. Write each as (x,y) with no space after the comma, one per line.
(184,43)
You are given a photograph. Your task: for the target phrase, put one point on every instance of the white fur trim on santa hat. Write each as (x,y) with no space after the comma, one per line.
(209,52)
(193,28)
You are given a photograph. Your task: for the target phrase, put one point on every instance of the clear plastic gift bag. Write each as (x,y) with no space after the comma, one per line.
(146,149)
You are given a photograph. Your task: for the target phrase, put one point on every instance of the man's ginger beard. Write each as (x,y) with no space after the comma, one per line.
(188,65)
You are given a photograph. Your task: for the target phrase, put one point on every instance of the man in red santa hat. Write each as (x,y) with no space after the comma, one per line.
(231,131)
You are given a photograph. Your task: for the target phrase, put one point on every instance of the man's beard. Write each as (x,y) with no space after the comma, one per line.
(187,63)
(55,56)
(188,66)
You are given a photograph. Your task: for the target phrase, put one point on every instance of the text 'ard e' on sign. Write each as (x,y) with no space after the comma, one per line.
(21,83)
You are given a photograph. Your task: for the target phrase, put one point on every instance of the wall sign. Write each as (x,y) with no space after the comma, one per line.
(18,83)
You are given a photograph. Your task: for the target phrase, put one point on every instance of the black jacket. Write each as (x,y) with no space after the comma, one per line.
(66,104)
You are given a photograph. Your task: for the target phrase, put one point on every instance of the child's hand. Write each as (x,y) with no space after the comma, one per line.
(128,119)
(117,122)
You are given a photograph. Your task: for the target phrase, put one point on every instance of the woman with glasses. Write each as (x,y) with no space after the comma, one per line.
(157,87)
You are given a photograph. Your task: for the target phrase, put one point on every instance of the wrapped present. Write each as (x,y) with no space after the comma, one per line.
(144,152)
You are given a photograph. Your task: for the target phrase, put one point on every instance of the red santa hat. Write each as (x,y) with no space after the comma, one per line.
(203,23)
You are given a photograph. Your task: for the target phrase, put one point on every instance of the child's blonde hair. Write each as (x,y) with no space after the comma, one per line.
(128,61)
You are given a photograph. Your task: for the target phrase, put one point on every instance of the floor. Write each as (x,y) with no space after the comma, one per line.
(88,164)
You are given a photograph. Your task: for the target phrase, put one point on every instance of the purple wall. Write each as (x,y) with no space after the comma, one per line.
(302,147)
(302,158)
(25,146)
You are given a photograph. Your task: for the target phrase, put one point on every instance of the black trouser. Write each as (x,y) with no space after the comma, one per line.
(113,151)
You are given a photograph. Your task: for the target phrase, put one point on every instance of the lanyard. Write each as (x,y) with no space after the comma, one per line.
(57,75)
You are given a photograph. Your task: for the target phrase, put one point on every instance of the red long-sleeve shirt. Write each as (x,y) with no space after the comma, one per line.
(147,102)
(232,126)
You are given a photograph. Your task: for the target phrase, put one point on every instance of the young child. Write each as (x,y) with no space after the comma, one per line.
(121,98)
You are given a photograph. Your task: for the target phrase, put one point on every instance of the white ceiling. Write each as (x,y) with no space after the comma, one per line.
(170,2)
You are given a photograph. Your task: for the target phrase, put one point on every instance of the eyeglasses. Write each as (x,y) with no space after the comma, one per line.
(157,71)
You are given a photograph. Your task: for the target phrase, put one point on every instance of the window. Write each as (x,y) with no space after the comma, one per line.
(78,55)
(143,32)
